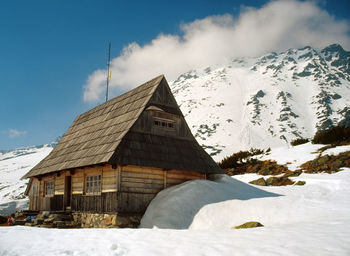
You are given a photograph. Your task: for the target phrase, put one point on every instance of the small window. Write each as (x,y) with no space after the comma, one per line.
(164,123)
(93,185)
(49,188)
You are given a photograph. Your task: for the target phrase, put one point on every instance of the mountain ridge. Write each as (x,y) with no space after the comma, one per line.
(266,101)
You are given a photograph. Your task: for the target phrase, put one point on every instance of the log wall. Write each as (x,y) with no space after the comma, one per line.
(139,185)
(106,202)
(125,189)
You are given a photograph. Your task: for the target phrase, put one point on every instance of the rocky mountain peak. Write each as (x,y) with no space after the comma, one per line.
(266,101)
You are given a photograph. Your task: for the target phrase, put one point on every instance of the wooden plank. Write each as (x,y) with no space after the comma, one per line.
(140,190)
(165,179)
(182,172)
(93,171)
(109,176)
(145,170)
(173,180)
(186,173)
(41,188)
(134,202)
(109,189)
(110,172)
(77,192)
(142,180)
(59,182)
(119,168)
(109,180)
(141,175)
(141,185)
(108,168)
(188,177)
(109,186)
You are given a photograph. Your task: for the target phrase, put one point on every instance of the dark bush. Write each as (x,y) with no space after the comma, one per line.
(240,158)
(333,135)
(299,141)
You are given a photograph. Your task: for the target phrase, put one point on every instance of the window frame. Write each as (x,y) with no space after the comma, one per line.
(164,123)
(49,186)
(93,185)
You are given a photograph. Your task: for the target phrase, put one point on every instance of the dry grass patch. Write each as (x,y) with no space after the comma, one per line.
(327,163)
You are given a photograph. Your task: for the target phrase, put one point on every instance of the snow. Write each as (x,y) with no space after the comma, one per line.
(293,157)
(336,150)
(308,220)
(225,115)
(302,239)
(13,165)
(167,211)
(229,202)
(197,217)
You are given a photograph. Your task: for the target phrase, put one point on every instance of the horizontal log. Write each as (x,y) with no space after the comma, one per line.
(181,172)
(178,176)
(109,183)
(176,181)
(108,190)
(77,192)
(141,175)
(142,170)
(142,180)
(140,190)
(78,173)
(105,186)
(112,179)
(141,185)
(109,176)
(109,172)
(93,172)
(80,181)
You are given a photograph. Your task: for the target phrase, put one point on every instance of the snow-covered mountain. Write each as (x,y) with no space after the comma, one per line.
(266,101)
(13,165)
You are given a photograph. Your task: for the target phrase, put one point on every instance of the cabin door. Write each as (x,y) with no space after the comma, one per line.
(68,192)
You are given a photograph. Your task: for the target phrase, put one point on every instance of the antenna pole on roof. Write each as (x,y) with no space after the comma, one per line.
(108,69)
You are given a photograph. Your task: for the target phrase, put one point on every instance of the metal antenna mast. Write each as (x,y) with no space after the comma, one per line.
(108,69)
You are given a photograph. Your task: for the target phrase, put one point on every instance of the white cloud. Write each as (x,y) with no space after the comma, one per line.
(277,26)
(13,133)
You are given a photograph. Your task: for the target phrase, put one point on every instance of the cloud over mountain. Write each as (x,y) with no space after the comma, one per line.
(277,26)
(13,133)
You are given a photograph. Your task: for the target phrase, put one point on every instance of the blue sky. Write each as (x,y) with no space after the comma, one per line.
(52,53)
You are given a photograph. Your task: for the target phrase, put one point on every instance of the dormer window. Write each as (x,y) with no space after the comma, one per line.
(164,123)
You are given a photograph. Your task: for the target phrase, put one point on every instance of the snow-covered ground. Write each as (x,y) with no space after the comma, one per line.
(313,219)
(13,165)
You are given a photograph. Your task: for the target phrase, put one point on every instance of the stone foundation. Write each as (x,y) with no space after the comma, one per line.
(104,220)
(62,219)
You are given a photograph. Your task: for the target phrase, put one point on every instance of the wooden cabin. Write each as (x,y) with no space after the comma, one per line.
(116,157)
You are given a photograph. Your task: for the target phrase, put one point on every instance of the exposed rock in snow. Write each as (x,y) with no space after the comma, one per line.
(267,101)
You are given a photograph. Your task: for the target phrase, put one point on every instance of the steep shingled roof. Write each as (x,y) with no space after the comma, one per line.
(96,136)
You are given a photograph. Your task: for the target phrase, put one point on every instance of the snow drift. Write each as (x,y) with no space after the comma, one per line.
(177,206)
